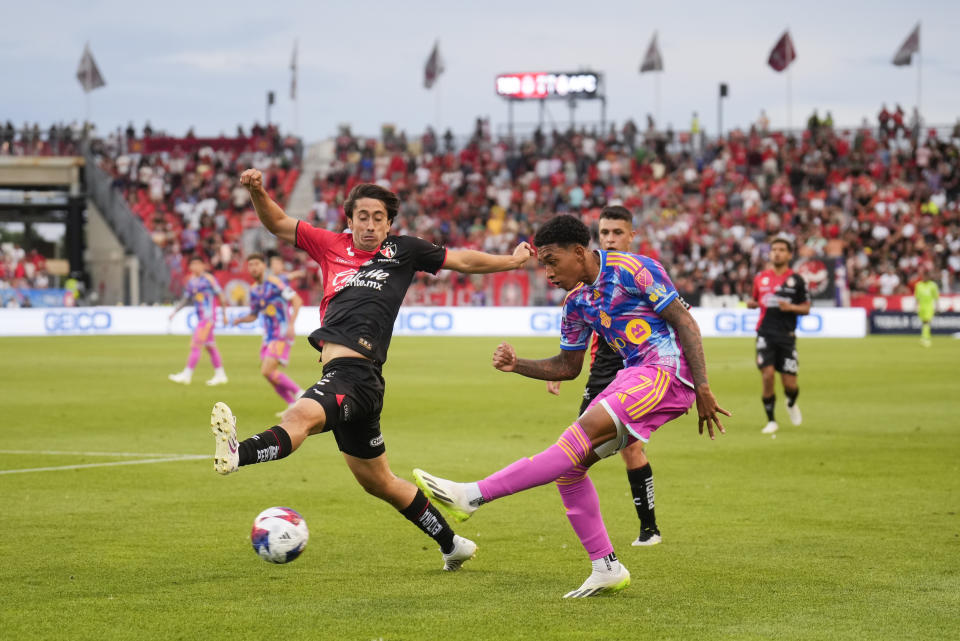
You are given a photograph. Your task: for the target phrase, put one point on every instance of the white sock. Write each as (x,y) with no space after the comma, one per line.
(609,563)
(472,493)
(219,372)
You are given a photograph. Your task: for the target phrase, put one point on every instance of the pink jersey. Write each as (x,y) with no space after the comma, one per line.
(203,291)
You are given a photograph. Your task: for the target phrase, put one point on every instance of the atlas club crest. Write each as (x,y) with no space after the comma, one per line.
(388,250)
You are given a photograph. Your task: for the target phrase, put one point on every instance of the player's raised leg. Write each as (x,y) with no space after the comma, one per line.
(274,443)
(461,500)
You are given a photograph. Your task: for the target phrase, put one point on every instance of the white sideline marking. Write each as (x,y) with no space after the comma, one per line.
(60,452)
(187,457)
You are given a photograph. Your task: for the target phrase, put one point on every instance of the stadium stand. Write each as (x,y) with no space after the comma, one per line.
(865,206)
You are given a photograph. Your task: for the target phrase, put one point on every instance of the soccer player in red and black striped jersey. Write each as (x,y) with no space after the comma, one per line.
(781,296)
(366,274)
(616,234)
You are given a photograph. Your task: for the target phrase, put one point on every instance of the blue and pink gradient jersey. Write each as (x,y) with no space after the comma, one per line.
(203,291)
(623,307)
(270,300)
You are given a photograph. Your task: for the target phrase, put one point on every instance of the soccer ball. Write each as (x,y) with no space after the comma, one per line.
(279,534)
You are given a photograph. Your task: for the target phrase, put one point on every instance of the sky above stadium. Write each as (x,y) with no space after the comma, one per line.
(209,64)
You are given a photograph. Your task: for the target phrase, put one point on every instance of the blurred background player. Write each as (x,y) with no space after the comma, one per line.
(926,293)
(616,234)
(203,291)
(279,269)
(278,305)
(781,296)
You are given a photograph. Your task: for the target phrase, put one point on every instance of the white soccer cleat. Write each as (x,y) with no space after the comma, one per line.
(449,495)
(183,377)
(602,582)
(770,428)
(463,551)
(226,459)
(218,379)
(793,411)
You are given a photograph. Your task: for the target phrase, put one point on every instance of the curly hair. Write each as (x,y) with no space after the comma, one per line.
(563,230)
(369,190)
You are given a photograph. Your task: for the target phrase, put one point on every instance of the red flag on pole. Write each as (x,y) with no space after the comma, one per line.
(434,67)
(783,53)
(910,46)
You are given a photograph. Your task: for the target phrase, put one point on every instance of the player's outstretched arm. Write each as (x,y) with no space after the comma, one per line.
(688,333)
(270,213)
(249,318)
(564,366)
(469,261)
(180,305)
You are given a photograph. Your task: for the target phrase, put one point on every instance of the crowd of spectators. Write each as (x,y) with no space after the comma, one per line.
(883,201)
(188,195)
(878,202)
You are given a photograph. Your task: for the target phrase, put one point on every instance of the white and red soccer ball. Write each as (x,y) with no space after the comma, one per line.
(279,534)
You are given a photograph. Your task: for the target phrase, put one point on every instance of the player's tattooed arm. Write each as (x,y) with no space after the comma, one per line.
(564,366)
(688,333)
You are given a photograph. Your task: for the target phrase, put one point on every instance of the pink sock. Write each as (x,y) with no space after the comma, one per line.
(284,386)
(583,511)
(194,357)
(214,356)
(571,449)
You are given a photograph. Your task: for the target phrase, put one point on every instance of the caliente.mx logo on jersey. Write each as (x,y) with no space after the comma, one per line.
(342,279)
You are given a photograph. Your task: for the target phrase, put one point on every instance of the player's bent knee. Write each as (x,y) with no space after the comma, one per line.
(304,418)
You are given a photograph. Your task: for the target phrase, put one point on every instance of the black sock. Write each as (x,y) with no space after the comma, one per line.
(791,396)
(641,485)
(265,446)
(769,402)
(421,513)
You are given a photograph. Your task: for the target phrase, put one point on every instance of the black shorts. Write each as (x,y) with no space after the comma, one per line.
(781,352)
(589,393)
(351,393)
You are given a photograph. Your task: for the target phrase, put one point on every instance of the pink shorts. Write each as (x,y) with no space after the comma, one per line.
(644,398)
(203,334)
(279,350)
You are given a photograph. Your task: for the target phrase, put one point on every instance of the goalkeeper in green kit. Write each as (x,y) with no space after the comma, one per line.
(926,292)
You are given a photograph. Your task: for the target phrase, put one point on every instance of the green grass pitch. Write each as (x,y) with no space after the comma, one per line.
(844,528)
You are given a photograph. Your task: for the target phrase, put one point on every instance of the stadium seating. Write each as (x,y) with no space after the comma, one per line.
(871,205)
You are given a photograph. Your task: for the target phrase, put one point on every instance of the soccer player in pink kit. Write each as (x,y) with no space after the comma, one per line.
(203,291)
(279,305)
(630,302)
